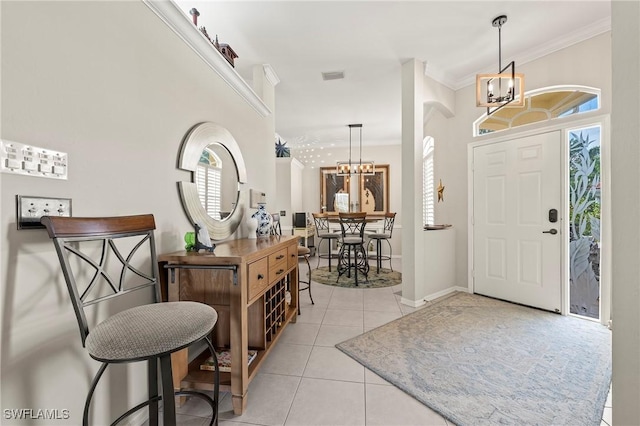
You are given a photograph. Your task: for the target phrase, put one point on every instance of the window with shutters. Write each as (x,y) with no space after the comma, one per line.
(208,182)
(428,187)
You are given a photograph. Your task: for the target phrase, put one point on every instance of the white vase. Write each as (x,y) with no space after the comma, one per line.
(252,226)
(264,220)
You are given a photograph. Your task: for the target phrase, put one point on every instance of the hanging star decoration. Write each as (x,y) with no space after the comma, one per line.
(440,191)
(282,150)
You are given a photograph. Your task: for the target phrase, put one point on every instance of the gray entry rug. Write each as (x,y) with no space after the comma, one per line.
(481,361)
(385,278)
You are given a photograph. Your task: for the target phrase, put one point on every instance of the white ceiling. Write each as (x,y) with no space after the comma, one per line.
(369,40)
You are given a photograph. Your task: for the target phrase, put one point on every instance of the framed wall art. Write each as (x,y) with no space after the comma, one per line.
(334,191)
(374,191)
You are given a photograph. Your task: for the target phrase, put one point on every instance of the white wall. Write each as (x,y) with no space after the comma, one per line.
(625,154)
(111,85)
(587,63)
(288,190)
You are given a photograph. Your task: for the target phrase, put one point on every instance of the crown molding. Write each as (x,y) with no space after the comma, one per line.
(440,76)
(271,75)
(179,23)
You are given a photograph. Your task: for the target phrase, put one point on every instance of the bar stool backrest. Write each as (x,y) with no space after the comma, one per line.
(352,224)
(321,221)
(276,227)
(389,219)
(104,258)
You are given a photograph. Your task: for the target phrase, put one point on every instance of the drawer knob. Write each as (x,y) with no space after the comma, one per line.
(279,256)
(260,276)
(279,271)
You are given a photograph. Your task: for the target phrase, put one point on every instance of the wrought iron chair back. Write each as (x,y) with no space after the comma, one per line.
(352,224)
(389,219)
(93,263)
(276,227)
(321,221)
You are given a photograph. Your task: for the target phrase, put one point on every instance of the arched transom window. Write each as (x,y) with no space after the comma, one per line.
(541,105)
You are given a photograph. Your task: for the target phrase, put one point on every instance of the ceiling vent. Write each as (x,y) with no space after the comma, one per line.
(333,75)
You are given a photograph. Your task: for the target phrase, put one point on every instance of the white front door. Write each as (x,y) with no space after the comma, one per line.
(516,254)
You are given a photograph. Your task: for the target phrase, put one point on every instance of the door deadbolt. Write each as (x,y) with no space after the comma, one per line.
(551,231)
(553,215)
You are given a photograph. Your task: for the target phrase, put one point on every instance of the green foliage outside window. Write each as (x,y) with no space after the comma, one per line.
(584,224)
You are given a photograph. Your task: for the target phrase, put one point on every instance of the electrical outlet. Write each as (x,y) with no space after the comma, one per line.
(31,209)
(283,213)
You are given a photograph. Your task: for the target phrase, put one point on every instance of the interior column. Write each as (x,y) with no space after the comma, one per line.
(625,176)
(412,134)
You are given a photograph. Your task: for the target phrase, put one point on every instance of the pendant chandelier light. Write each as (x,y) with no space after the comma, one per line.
(347,168)
(504,88)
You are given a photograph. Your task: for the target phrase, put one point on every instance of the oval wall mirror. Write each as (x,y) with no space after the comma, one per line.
(214,196)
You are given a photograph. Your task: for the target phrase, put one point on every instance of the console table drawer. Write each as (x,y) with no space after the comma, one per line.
(277,271)
(258,277)
(277,257)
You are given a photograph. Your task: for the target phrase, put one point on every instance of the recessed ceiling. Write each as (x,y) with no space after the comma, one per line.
(369,40)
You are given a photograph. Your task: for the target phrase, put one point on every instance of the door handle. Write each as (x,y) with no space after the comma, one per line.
(551,231)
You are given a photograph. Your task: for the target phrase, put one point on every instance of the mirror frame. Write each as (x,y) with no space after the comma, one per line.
(197,139)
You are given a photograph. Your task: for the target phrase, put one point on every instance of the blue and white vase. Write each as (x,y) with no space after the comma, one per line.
(264,221)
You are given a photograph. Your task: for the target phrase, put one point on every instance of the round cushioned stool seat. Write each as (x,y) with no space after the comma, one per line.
(352,240)
(303,251)
(330,235)
(150,330)
(372,236)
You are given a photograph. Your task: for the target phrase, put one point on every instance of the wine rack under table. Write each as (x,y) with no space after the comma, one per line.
(253,285)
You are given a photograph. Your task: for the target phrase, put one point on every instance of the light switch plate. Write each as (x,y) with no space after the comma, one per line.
(18,158)
(31,209)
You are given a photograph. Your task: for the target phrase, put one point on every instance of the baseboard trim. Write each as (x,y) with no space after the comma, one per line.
(446,291)
(413,303)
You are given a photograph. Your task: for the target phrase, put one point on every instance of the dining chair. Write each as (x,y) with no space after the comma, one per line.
(324,233)
(303,253)
(385,235)
(109,258)
(352,237)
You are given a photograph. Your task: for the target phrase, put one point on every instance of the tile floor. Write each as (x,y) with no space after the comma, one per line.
(307,381)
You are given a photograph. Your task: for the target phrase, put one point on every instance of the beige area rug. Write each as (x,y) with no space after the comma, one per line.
(481,361)
(385,278)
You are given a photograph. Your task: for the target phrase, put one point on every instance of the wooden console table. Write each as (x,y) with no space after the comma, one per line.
(246,281)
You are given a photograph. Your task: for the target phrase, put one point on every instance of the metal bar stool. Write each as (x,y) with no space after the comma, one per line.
(352,225)
(321,221)
(107,258)
(303,253)
(385,235)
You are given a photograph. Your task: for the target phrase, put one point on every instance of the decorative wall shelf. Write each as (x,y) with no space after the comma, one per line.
(181,24)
